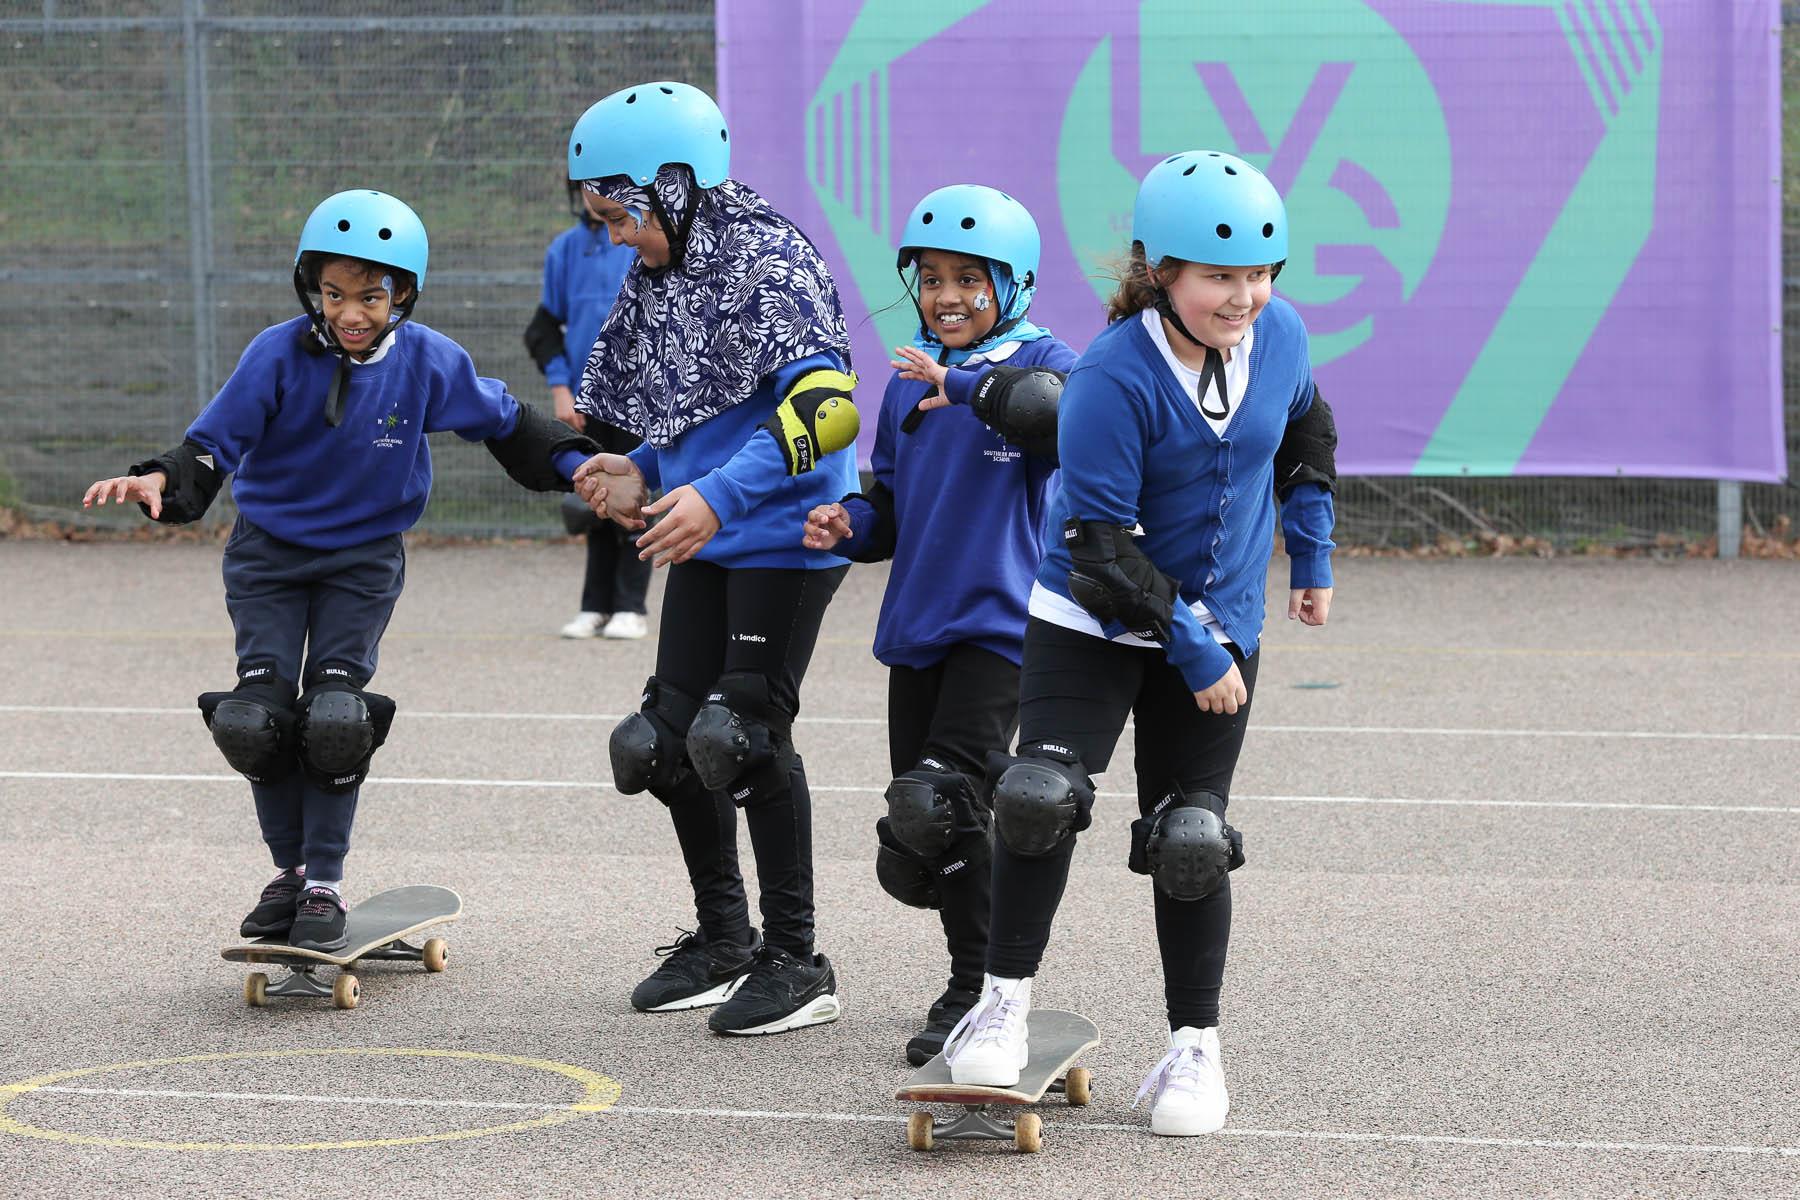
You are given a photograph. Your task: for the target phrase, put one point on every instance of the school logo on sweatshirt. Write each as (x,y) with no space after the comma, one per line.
(386,437)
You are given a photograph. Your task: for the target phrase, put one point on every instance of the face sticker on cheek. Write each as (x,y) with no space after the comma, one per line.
(982,302)
(387,285)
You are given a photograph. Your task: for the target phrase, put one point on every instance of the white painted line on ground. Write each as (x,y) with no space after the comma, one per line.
(1672,735)
(755,1114)
(598,784)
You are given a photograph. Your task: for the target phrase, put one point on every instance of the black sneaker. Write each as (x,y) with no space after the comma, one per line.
(696,973)
(928,1043)
(274,911)
(319,921)
(781,993)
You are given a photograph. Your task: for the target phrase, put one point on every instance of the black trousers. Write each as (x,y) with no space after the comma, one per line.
(714,620)
(1076,690)
(956,711)
(616,579)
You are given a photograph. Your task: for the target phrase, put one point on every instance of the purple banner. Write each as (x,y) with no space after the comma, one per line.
(1533,237)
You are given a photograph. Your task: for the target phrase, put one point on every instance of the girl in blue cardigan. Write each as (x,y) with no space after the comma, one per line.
(1177,428)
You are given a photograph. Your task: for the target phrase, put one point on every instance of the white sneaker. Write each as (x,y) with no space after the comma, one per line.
(988,1046)
(1187,1086)
(585,625)
(628,626)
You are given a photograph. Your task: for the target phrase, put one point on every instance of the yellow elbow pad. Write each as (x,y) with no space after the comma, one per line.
(817,417)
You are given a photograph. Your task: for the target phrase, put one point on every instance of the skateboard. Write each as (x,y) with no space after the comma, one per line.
(377,929)
(1056,1038)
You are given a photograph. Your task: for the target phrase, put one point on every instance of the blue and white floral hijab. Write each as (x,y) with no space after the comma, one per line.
(744,293)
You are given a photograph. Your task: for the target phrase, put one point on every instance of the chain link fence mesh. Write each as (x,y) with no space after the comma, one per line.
(113,113)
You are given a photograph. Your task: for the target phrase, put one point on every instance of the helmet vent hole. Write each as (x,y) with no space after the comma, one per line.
(1231,170)
(968,222)
(1190,170)
(631,99)
(723,137)
(1170,159)
(385,234)
(1268,229)
(343,227)
(577,149)
(1225,231)
(667,91)
(926,219)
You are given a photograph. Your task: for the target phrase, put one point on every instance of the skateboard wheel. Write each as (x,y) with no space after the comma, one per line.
(1078,1088)
(345,991)
(436,954)
(256,989)
(918,1131)
(1028,1133)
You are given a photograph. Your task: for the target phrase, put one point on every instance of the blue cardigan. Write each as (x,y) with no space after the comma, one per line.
(1136,452)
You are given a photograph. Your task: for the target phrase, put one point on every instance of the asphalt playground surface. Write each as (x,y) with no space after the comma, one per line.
(1521,915)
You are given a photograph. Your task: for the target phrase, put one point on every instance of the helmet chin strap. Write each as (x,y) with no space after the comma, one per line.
(340,376)
(1212,372)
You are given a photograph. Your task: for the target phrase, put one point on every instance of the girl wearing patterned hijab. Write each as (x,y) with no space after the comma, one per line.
(726,351)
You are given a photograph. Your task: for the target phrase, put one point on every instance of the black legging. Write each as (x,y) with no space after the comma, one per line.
(955,711)
(1075,690)
(717,619)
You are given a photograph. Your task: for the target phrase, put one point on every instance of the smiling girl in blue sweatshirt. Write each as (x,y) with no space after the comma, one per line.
(966,444)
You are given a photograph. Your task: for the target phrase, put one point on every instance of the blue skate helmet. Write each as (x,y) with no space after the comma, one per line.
(1204,206)
(368,225)
(636,130)
(981,222)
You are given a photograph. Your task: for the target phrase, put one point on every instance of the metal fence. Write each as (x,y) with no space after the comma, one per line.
(159,157)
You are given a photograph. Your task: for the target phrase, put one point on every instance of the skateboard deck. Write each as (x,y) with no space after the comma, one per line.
(1056,1040)
(376,929)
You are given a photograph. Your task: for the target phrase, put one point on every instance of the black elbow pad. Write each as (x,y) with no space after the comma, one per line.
(1019,404)
(544,338)
(193,479)
(1308,450)
(529,452)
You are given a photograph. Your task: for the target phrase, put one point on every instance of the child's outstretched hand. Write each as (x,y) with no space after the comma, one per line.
(826,526)
(914,363)
(1310,605)
(121,489)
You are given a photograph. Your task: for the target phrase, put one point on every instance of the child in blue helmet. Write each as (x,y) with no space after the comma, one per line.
(322,427)
(727,353)
(583,269)
(967,439)
(1191,418)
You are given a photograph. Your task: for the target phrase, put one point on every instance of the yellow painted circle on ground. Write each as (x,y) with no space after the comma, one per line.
(598,1094)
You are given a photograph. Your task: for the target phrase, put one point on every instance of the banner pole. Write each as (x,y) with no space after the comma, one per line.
(1731,517)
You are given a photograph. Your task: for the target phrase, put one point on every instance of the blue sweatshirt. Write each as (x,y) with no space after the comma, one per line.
(1136,451)
(737,468)
(582,274)
(327,486)
(970,513)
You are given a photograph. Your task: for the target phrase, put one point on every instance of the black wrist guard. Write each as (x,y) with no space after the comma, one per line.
(529,452)
(544,338)
(191,477)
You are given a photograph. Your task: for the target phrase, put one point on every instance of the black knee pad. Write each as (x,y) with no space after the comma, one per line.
(254,724)
(1185,846)
(1041,797)
(930,806)
(739,741)
(648,748)
(916,881)
(341,727)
